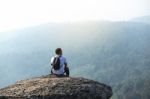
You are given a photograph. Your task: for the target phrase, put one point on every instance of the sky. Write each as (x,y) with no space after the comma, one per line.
(17,14)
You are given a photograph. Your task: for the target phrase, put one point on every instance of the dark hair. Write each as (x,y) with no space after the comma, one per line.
(58,50)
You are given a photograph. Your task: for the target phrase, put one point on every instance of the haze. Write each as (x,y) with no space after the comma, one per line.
(16,14)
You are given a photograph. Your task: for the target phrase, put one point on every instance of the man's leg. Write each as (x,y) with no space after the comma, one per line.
(67,71)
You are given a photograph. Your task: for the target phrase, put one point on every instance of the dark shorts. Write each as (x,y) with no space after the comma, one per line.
(66,72)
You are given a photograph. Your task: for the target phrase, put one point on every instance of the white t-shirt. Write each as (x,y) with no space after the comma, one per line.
(62,64)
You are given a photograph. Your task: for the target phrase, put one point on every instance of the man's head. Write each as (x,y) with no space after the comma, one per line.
(58,51)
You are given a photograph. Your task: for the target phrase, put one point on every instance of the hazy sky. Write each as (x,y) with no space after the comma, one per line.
(15,14)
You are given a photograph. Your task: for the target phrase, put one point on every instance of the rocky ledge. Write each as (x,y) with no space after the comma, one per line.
(48,87)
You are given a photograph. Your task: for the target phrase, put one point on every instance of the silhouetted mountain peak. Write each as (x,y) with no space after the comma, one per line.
(143,19)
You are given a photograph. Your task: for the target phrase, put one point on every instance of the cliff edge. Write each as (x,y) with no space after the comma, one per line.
(47,87)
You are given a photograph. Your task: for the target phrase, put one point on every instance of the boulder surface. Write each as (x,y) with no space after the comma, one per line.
(47,87)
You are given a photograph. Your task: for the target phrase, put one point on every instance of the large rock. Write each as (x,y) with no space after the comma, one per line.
(47,87)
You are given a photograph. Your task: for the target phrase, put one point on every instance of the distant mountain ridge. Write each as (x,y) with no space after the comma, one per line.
(144,19)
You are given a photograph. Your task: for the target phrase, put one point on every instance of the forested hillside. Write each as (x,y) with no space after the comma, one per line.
(116,53)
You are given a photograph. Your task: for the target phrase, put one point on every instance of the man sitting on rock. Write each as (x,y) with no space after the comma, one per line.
(59,64)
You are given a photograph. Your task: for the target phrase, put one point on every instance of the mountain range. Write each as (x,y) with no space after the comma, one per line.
(115,53)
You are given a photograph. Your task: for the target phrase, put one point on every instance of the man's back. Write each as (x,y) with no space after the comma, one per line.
(63,61)
(63,68)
